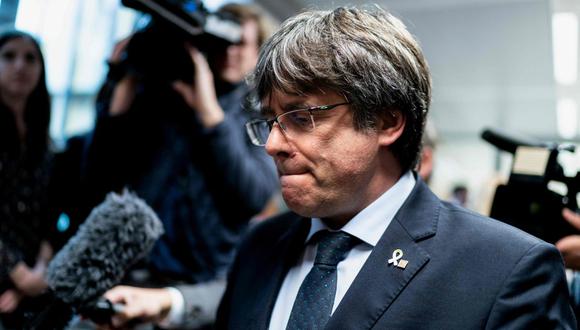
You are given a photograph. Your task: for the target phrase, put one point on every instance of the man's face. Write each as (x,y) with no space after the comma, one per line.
(331,172)
(240,59)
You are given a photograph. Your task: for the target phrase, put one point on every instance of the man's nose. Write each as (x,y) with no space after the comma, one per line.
(277,143)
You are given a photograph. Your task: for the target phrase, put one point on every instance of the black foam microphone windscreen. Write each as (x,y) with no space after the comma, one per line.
(118,232)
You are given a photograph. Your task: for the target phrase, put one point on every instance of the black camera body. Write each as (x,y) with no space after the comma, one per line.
(526,202)
(158,51)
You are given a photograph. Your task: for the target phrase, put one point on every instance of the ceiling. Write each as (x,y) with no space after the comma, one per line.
(491,61)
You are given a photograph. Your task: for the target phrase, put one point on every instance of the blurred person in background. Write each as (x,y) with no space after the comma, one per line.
(569,246)
(26,163)
(183,148)
(459,195)
(427,158)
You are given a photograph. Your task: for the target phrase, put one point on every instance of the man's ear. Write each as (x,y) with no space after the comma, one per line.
(390,127)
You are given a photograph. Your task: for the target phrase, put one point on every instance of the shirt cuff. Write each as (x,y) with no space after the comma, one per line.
(176,313)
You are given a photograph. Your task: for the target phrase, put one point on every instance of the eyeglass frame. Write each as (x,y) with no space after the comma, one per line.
(271,122)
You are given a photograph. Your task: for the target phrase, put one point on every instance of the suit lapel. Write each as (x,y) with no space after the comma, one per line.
(379,283)
(281,257)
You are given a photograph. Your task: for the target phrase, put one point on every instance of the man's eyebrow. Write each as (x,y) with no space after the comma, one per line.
(295,106)
(266,110)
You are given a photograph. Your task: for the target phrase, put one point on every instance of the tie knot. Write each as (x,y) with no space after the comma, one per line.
(333,247)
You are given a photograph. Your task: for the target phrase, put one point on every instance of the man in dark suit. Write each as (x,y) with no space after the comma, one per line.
(368,245)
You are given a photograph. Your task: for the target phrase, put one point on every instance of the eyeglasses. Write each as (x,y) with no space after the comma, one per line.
(292,123)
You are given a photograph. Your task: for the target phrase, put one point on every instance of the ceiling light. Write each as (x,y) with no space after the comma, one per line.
(565,47)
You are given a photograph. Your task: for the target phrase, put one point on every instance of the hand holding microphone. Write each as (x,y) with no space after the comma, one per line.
(142,304)
(118,232)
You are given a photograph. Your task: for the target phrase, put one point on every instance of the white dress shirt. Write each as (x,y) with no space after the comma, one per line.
(176,314)
(368,226)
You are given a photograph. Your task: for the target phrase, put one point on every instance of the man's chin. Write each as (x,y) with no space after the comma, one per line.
(299,203)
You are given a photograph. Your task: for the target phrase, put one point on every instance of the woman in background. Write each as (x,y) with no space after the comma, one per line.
(25,167)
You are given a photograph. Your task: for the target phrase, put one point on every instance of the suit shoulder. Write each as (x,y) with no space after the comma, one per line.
(278,223)
(269,230)
(474,226)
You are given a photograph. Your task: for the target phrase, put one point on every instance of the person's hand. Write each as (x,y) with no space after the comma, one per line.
(124,92)
(44,254)
(201,96)
(29,281)
(9,300)
(119,50)
(123,95)
(569,246)
(147,305)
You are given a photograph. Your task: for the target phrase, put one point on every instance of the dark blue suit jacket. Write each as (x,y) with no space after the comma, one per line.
(465,271)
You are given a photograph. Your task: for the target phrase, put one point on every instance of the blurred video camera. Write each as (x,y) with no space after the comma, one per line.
(526,201)
(158,52)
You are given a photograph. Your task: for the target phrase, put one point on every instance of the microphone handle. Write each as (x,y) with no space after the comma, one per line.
(56,316)
(101,311)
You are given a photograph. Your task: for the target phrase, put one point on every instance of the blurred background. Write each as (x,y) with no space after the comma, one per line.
(505,64)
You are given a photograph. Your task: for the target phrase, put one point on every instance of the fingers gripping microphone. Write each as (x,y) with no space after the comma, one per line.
(118,233)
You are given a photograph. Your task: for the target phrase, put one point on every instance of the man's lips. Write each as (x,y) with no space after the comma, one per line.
(291,180)
(290,172)
(290,168)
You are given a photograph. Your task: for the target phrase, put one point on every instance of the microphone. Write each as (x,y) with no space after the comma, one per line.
(507,142)
(118,233)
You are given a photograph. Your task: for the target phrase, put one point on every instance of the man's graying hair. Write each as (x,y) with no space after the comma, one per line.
(366,55)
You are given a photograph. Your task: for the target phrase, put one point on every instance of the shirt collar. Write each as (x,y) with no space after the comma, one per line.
(370,223)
